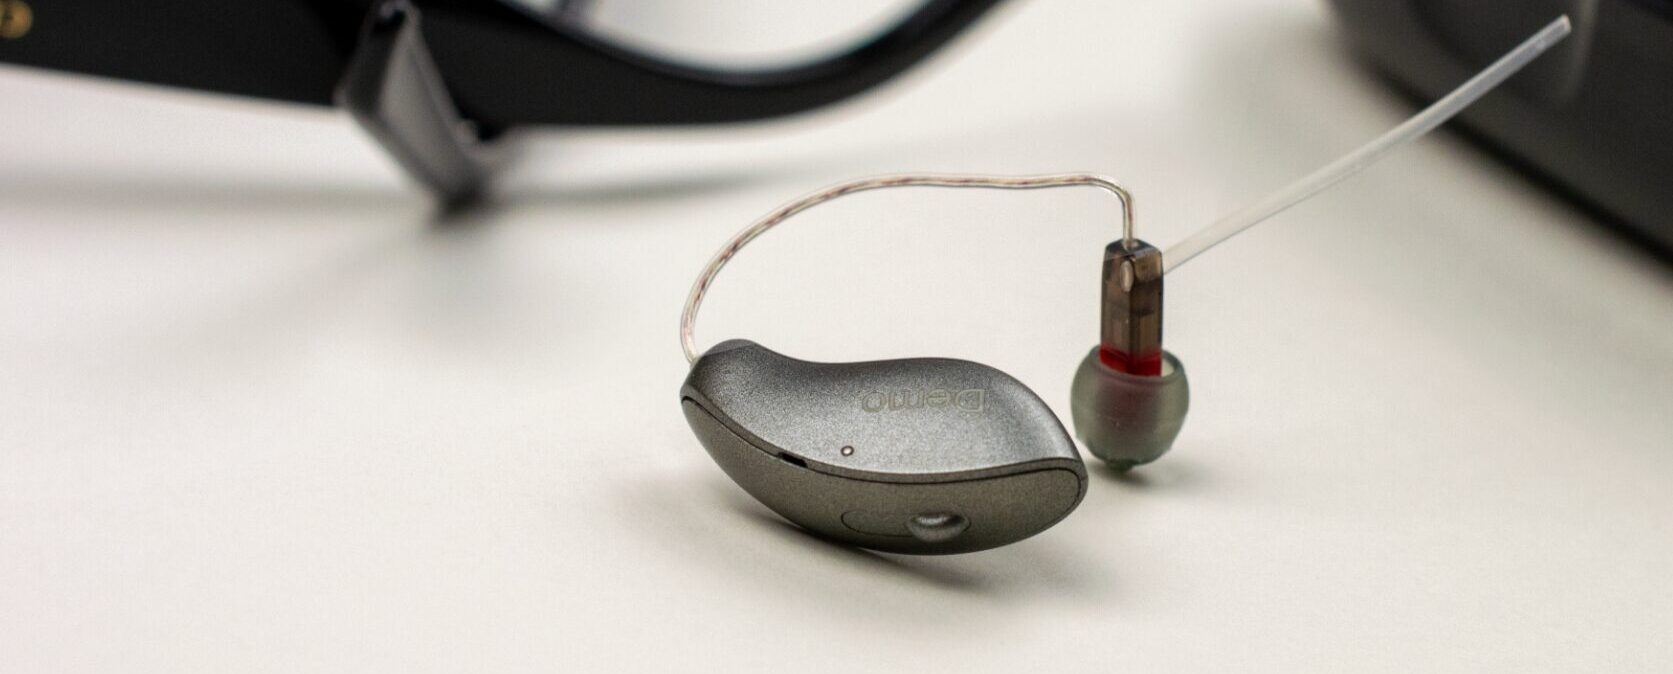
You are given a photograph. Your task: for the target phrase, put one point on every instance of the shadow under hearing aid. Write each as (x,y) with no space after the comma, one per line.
(1171,472)
(989,573)
(943,577)
(711,533)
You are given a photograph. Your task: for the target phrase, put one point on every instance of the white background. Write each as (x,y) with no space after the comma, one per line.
(262,410)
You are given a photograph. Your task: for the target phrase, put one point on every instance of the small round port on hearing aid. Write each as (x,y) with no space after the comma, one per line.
(937,527)
(1129,396)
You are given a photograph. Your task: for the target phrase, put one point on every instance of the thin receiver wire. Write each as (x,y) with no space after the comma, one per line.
(1356,161)
(694,301)
(1193,245)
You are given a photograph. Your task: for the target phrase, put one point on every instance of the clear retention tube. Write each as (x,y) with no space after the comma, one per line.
(1414,128)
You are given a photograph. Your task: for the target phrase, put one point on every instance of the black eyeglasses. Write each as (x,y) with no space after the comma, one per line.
(437,81)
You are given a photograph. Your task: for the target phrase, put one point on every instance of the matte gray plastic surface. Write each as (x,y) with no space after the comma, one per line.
(1125,419)
(925,456)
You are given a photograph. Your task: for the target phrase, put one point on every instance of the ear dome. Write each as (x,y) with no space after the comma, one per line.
(1125,419)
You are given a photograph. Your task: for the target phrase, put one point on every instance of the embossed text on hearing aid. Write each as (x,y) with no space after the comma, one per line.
(968,400)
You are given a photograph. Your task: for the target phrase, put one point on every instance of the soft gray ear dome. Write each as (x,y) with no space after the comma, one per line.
(1125,419)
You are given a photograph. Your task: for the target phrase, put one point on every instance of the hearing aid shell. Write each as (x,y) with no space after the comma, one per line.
(1126,419)
(921,456)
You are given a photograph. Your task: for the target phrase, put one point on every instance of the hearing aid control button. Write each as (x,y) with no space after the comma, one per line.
(929,527)
(937,527)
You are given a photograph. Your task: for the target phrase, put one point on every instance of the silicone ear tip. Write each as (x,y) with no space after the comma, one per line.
(1128,420)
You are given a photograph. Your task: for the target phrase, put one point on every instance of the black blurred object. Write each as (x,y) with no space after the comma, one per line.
(394,91)
(433,79)
(1593,117)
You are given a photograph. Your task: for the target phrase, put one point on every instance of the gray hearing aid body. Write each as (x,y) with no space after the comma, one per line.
(922,455)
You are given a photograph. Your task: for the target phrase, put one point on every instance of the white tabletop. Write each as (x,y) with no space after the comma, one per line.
(264,411)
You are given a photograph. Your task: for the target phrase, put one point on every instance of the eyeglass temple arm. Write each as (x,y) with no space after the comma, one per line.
(545,72)
(504,64)
(432,88)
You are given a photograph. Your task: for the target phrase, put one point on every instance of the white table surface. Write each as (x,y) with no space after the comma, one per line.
(261,410)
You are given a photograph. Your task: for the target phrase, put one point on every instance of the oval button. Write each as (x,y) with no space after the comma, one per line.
(877,523)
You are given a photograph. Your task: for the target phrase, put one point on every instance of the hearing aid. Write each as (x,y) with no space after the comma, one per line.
(940,456)
(929,455)
(920,455)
